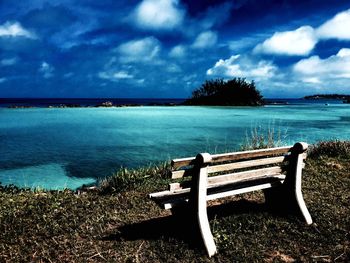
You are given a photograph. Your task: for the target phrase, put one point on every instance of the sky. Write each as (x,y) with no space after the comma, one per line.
(168,48)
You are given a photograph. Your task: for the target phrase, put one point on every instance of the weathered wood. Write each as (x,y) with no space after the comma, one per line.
(231,166)
(177,163)
(174,186)
(181,173)
(245,164)
(170,199)
(160,194)
(243,176)
(243,190)
(220,180)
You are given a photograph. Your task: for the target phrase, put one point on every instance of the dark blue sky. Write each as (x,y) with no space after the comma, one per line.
(167,48)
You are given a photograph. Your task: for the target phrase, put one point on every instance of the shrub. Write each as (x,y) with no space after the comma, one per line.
(237,92)
(335,148)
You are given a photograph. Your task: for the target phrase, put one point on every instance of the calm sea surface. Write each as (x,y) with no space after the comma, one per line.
(55,148)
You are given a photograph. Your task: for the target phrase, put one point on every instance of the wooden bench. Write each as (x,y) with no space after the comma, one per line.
(222,175)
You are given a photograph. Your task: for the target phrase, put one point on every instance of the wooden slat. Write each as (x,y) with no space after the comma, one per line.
(160,194)
(245,164)
(181,173)
(243,176)
(174,186)
(242,190)
(231,166)
(221,180)
(174,203)
(177,163)
(250,154)
(182,196)
(167,193)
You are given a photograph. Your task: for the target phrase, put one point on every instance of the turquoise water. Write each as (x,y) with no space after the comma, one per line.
(57,148)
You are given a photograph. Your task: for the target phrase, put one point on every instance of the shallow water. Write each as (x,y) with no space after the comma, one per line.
(57,148)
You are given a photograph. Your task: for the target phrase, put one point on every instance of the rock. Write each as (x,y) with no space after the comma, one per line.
(105,104)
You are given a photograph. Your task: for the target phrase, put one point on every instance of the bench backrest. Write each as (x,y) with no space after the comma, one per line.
(239,166)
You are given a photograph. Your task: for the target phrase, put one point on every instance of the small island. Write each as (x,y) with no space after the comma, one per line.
(219,92)
(345,98)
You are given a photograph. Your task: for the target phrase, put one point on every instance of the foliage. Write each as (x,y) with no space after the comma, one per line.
(335,148)
(236,91)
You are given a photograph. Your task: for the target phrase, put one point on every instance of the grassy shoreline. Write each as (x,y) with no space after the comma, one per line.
(119,224)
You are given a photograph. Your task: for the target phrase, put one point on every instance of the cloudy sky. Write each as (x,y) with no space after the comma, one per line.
(166,48)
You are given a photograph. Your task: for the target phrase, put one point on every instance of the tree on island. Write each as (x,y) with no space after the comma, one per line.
(219,92)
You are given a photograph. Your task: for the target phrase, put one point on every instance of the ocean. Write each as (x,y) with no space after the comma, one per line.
(55,148)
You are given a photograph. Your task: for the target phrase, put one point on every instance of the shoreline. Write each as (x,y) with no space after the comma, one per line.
(106,104)
(17,103)
(121,103)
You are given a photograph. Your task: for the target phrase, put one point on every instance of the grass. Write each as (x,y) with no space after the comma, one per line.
(259,138)
(135,179)
(117,223)
(334,148)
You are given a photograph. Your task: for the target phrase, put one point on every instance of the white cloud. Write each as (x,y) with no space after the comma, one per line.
(205,39)
(122,75)
(47,70)
(158,14)
(333,67)
(344,52)
(235,66)
(115,75)
(173,68)
(145,49)
(2,80)
(178,51)
(14,29)
(299,42)
(312,80)
(104,75)
(8,61)
(337,27)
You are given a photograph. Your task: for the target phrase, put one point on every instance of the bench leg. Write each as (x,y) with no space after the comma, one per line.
(297,190)
(288,197)
(203,221)
(293,181)
(199,202)
(201,211)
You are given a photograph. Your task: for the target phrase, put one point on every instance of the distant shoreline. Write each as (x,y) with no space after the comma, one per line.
(345,98)
(21,103)
(103,105)
(28,103)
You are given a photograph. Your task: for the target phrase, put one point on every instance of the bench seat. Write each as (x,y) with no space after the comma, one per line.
(169,199)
